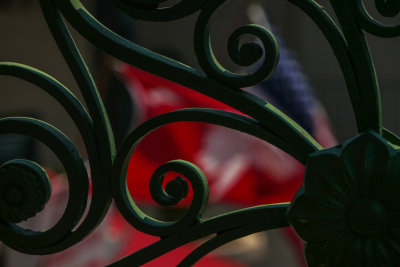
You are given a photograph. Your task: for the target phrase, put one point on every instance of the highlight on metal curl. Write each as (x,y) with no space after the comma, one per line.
(265,56)
(174,191)
(387,8)
(177,189)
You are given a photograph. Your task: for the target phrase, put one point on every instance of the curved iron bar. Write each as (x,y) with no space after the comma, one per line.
(367,114)
(340,47)
(391,137)
(38,242)
(363,66)
(389,8)
(226,237)
(263,217)
(121,195)
(245,55)
(85,126)
(101,198)
(164,67)
(83,78)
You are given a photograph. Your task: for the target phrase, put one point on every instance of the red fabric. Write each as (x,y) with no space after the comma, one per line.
(250,172)
(113,239)
(187,140)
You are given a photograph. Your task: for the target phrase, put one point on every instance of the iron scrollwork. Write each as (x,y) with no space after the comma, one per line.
(261,119)
(347,210)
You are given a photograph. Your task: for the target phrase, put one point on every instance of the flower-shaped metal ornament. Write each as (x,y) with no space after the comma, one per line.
(24,190)
(347,210)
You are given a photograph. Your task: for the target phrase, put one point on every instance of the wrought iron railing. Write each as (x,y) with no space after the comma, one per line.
(346,209)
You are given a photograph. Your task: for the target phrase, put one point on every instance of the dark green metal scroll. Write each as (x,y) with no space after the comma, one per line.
(348,191)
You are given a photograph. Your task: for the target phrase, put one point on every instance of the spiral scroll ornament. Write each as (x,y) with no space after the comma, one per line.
(30,180)
(60,236)
(174,191)
(387,8)
(265,57)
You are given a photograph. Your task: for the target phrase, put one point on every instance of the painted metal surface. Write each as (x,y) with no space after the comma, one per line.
(346,206)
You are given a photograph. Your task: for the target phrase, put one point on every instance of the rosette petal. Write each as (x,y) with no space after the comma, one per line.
(332,252)
(388,190)
(312,222)
(326,180)
(348,209)
(365,158)
(393,247)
